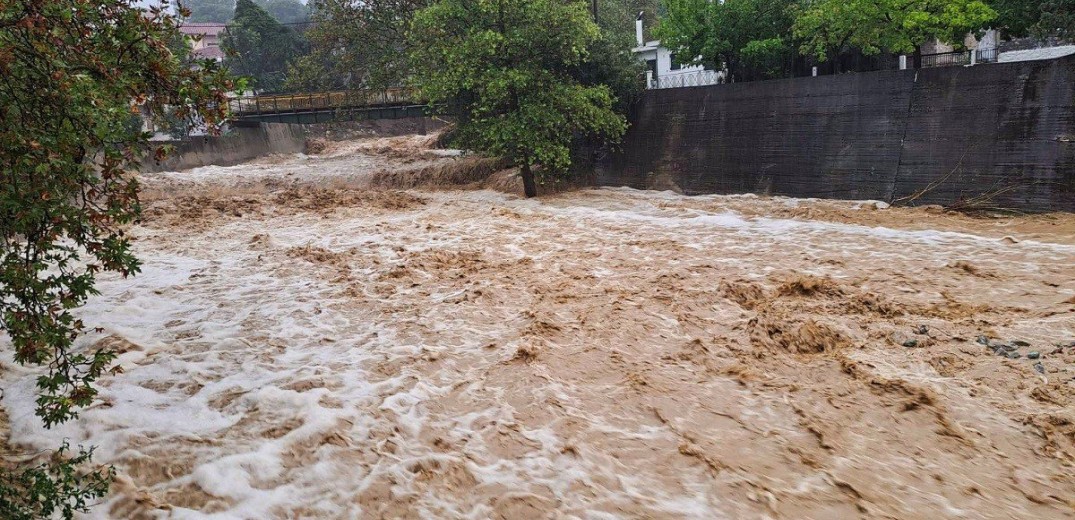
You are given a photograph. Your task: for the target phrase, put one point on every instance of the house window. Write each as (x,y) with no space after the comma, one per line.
(675,64)
(652,66)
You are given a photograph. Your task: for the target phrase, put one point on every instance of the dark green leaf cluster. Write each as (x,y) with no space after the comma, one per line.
(59,486)
(259,47)
(826,27)
(748,37)
(355,45)
(1057,20)
(756,39)
(209,11)
(1037,18)
(222,11)
(609,60)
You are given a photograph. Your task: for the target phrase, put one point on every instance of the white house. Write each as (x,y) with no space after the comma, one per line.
(662,69)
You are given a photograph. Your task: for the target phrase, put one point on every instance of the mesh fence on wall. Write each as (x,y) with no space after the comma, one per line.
(944,135)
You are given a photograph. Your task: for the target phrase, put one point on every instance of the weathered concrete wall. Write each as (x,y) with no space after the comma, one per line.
(957,133)
(1005,127)
(241,143)
(248,141)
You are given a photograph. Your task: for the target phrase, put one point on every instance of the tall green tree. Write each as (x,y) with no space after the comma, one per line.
(609,60)
(209,11)
(259,47)
(292,12)
(827,27)
(1016,18)
(355,45)
(222,11)
(503,68)
(1037,18)
(617,18)
(1057,20)
(751,38)
(72,75)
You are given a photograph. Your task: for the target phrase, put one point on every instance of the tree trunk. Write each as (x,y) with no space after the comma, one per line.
(529,187)
(917,57)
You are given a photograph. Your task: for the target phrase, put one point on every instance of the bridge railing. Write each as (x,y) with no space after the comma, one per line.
(318,101)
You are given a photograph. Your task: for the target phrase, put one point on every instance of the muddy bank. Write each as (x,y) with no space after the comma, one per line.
(308,339)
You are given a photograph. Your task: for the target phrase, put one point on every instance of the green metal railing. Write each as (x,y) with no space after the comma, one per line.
(245,107)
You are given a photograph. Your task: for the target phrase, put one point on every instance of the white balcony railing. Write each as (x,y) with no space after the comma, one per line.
(688,79)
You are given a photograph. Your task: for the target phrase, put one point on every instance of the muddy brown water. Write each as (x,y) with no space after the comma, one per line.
(306,341)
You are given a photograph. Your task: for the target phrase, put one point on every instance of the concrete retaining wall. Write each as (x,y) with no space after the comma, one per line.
(246,141)
(239,144)
(948,134)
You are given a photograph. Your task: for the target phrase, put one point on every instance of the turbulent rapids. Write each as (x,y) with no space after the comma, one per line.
(384,330)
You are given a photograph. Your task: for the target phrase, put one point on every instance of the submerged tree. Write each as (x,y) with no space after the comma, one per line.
(503,68)
(73,75)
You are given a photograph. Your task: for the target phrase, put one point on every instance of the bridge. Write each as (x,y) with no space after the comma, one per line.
(324,107)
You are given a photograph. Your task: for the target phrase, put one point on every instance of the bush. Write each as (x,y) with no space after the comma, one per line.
(54,487)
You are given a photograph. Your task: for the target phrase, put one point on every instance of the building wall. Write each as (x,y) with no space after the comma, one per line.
(956,132)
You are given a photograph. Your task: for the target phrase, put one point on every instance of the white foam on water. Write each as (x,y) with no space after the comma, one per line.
(275,394)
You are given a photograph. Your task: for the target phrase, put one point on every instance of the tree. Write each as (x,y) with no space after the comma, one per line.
(58,486)
(897,26)
(1037,18)
(609,60)
(355,45)
(286,11)
(617,17)
(72,72)
(259,47)
(1057,20)
(751,38)
(503,68)
(1015,18)
(222,11)
(209,11)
